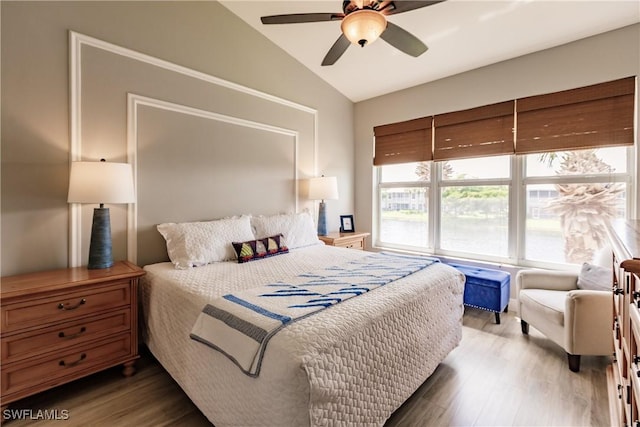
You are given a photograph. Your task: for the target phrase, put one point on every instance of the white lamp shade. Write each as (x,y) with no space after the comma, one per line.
(101,182)
(323,188)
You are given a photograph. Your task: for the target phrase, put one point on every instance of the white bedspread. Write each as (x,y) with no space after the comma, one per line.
(241,324)
(353,363)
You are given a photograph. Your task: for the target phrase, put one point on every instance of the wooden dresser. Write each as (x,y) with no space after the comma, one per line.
(61,325)
(623,377)
(345,240)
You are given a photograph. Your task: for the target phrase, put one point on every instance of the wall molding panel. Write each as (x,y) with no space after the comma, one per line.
(134,102)
(77,42)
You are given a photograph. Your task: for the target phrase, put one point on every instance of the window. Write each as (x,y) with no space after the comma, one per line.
(530,181)
(569,196)
(404,205)
(549,213)
(474,206)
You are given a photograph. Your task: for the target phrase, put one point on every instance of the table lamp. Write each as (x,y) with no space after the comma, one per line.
(323,188)
(100,182)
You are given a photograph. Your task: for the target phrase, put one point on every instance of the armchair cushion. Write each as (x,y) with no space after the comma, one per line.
(594,277)
(548,305)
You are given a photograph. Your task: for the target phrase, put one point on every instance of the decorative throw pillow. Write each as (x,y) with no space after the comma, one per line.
(594,277)
(297,228)
(261,248)
(192,244)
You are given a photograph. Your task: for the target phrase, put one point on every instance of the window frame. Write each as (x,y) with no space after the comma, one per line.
(616,177)
(517,216)
(508,182)
(411,184)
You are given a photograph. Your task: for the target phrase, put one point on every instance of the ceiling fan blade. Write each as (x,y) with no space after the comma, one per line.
(298,18)
(403,40)
(399,6)
(336,51)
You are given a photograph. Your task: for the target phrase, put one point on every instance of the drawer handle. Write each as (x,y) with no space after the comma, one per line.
(62,306)
(63,335)
(619,391)
(618,291)
(68,365)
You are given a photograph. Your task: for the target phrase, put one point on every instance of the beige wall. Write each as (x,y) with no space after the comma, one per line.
(597,59)
(202,36)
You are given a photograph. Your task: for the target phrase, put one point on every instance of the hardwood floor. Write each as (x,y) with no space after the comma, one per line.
(499,377)
(496,377)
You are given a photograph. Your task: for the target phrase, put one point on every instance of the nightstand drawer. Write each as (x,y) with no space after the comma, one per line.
(64,366)
(357,243)
(65,306)
(59,337)
(353,240)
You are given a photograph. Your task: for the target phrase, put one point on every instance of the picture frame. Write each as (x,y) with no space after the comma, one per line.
(347,225)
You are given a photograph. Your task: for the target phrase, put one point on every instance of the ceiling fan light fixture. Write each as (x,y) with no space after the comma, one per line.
(363,26)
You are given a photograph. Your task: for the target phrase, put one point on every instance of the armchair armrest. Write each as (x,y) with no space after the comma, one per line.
(589,322)
(549,280)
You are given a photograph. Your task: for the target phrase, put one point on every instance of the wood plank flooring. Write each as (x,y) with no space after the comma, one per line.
(496,377)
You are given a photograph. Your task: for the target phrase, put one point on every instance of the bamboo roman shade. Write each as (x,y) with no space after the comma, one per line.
(403,142)
(600,115)
(588,117)
(478,132)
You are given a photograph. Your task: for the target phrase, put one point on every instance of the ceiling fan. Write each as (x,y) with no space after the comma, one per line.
(363,21)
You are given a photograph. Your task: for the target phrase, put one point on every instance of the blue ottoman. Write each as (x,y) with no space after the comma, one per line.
(486,288)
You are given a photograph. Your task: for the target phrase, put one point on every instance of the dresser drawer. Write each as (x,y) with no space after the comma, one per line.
(57,338)
(65,306)
(64,366)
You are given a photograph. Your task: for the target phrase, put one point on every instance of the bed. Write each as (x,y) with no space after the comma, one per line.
(355,362)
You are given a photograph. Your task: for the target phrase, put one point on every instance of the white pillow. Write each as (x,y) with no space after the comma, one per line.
(298,229)
(191,244)
(595,277)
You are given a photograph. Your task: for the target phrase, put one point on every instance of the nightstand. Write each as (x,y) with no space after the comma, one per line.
(60,325)
(345,240)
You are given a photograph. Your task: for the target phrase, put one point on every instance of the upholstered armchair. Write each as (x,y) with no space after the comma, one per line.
(578,320)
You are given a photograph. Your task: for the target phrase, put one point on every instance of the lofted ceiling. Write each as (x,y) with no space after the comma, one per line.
(461,35)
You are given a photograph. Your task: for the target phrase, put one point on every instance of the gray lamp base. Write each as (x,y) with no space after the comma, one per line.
(322,219)
(100,246)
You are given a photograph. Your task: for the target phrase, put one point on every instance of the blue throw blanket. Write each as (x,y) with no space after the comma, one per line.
(240,325)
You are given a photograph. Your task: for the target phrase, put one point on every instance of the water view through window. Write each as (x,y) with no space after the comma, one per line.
(563,202)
